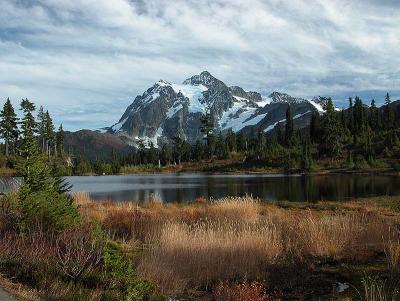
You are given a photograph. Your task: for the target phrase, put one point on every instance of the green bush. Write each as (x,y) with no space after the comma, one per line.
(49,211)
(124,284)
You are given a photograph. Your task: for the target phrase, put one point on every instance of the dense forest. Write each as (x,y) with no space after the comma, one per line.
(358,137)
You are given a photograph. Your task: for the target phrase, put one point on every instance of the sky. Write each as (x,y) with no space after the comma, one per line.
(86,60)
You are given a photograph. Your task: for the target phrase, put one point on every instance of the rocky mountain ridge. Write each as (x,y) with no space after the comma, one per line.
(167,109)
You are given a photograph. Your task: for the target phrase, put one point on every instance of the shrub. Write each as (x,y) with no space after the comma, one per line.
(77,252)
(121,276)
(48,211)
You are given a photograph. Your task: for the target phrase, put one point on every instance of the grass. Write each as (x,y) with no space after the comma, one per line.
(189,249)
(225,249)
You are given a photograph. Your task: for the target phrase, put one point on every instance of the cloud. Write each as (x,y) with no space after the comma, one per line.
(86,60)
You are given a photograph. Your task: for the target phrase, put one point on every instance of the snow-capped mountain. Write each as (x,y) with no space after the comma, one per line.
(166,110)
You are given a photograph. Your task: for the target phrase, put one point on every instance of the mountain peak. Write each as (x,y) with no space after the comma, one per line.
(204,78)
(278,97)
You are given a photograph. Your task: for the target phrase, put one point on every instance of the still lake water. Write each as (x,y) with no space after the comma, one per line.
(187,187)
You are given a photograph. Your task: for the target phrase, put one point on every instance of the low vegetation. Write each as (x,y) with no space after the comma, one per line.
(234,247)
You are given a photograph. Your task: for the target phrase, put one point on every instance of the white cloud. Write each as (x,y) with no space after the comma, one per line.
(86,60)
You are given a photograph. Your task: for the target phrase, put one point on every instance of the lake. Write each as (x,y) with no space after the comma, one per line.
(187,187)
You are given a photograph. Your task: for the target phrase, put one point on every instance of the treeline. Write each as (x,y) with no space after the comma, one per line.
(12,129)
(360,136)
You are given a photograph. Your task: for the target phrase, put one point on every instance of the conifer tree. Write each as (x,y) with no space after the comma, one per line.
(279,134)
(389,113)
(331,132)
(165,154)
(373,116)
(231,141)
(8,126)
(242,142)
(207,128)
(41,127)
(289,128)
(351,116)
(115,165)
(60,140)
(261,142)
(49,133)
(178,149)
(198,151)
(315,127)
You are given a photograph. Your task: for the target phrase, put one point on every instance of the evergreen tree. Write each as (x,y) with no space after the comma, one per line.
(41,127)
(389,113)
(49,133)
(178,149)
(279,134)
(207,128)
(315,127)
(373,116)
(198,151)
(242,142)
(43,202)
(231,141)
(261,142)
(351,115)
(165,155)
(115,165)
(8,126)
(153,154)
(289,128)
(306,158)
(222,150)
(60,140)
(331,132)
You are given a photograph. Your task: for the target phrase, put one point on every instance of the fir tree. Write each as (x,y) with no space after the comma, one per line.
(331,132)
(165,155)
(289,128)
(389,113)
(231,141)
(351,116)
(198,151)
(261,142)
(60,140)
(373,115)
(315,127)
(8,126)
(41,127)
(207,128)
(49,133)
(178,149)
(242,142)
(279,134)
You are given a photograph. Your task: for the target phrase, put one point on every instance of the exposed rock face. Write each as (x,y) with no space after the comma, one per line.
(166,110)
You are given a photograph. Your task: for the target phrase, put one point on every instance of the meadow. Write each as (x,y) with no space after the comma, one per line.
(246,249)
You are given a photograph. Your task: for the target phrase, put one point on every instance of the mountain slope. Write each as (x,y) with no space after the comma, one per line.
(166,110)
(93,145)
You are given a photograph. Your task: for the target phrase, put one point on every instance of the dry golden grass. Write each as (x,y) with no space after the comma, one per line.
(212,250)
(185,246)
(235,208)
(392,251)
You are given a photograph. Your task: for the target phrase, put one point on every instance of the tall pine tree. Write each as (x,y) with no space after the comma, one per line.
(289,128)
(8,126)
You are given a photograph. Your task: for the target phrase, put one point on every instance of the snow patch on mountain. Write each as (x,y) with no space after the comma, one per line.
(318,106)
(195,95)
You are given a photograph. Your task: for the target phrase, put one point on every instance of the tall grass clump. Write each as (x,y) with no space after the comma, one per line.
(204,252)
(379,290)
(392,251)
(235,208)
